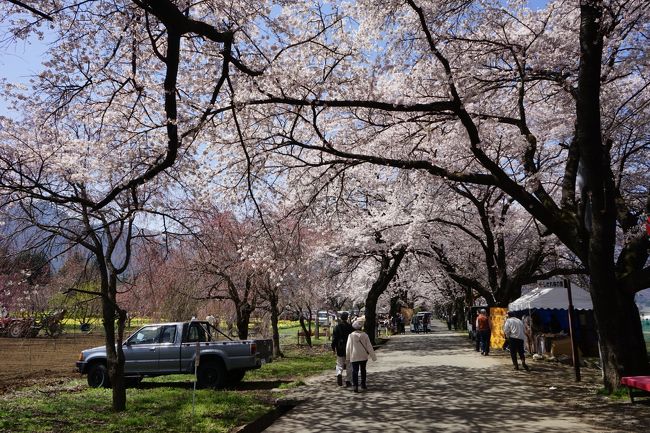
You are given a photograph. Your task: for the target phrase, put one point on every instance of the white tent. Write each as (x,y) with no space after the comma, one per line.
(552,297)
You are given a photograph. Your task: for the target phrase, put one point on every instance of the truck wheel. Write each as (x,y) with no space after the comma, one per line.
(98,376)
(235,376)
(211,375)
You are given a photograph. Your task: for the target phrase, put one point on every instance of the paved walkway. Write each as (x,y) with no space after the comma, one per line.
(437,382)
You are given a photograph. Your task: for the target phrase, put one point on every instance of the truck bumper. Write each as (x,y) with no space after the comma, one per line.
(81,366)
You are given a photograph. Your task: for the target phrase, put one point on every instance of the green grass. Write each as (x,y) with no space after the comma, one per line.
(618,394)
(167,408)
(297,364)
(162,404)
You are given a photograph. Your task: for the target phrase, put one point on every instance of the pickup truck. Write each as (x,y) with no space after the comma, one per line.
(176,348)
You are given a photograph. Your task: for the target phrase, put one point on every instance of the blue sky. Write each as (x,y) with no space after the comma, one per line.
(19,61)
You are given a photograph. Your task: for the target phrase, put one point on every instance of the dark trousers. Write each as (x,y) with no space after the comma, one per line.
(484,339)
(356,366)
(516,347)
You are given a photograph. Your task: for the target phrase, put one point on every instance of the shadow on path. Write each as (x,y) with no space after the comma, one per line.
(437,382)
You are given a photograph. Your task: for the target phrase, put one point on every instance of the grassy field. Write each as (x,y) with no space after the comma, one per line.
(162,404)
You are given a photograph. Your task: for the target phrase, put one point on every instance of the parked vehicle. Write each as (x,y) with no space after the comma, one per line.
(180,348)
(323,318)
(29,327)
(421,322)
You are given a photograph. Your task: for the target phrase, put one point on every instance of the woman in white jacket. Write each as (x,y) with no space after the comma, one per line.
(357,352)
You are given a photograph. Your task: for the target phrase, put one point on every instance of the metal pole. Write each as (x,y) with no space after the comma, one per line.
(574,344)
(197,360)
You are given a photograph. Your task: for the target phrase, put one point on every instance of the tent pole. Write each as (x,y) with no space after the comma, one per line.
(574,346)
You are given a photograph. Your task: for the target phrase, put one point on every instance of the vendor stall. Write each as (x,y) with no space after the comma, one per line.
(553,298)
(545,310)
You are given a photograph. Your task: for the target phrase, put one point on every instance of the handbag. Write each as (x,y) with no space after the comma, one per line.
(364,347)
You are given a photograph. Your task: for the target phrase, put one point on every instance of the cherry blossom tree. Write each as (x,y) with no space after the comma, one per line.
(368,233)
(55,189)
(221,266)
(487,245)
(118,102)
(284,251)
(164,286)
(548,105)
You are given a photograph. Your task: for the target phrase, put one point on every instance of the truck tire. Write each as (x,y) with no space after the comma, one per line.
(211,374)
(98,376)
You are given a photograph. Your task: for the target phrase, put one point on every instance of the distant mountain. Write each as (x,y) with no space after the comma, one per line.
(19,235)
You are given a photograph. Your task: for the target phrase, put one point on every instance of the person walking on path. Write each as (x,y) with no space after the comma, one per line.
(357,351)
(514,330)
(483,331)
(339,342)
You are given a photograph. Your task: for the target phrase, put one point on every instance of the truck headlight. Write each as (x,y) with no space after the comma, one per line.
(81,356)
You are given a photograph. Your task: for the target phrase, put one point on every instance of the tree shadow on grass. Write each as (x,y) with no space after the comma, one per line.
(242,386)
(168,384)
(260,385)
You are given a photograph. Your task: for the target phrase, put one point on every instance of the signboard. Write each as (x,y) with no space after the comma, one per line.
(550,283)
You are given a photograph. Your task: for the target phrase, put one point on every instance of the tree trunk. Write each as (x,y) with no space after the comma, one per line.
(243,312)
(622,345)
(387,272)
(114,356)
(306,331)
(275,314)
(459,307)
(621,338)
(371,310)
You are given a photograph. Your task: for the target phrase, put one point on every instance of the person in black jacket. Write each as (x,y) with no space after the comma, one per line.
(339,340)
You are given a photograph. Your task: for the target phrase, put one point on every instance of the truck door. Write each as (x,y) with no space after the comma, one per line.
(141,351)
(195,333)
(168,353)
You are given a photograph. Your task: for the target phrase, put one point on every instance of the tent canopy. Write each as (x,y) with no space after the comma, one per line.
(552,297)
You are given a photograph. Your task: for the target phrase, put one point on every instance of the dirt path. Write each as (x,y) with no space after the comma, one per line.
(24,361)
(437,382)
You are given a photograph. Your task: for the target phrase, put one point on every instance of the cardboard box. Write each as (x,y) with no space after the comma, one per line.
(561,346)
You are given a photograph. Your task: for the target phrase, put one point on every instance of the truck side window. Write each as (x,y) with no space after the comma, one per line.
(196,333)
(168,334)
(146,335)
